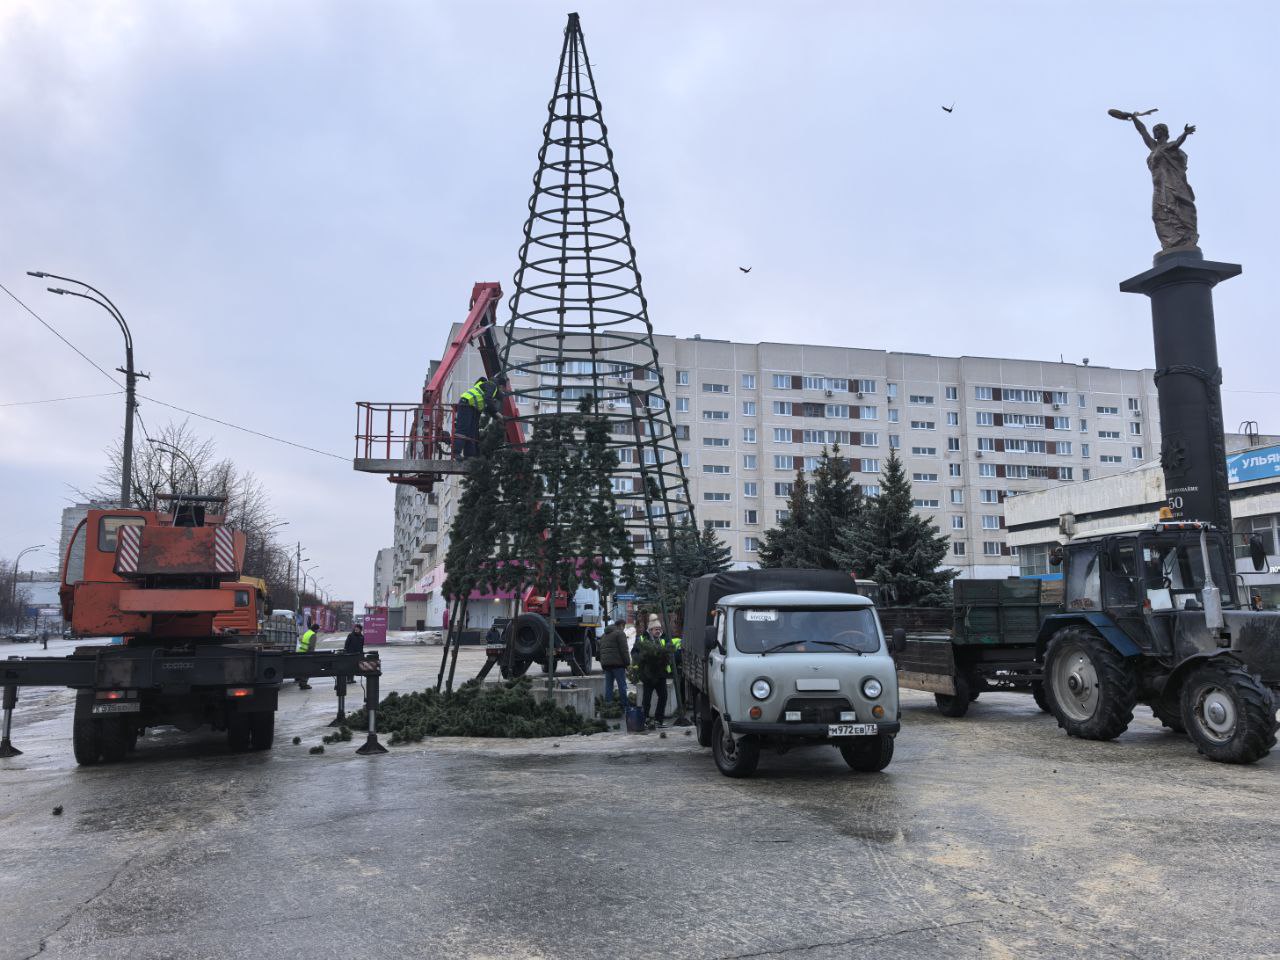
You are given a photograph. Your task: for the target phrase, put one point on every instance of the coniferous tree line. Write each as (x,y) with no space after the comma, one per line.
(830,525)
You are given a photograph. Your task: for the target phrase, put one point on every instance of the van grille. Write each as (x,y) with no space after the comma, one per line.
(816,709)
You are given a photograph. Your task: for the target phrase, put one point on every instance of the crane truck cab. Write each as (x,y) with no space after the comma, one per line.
(804,663)
(1151,614)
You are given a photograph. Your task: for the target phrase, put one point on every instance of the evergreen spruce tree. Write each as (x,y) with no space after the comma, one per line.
(664,581)
(790,544)
(835,504)
(893,546)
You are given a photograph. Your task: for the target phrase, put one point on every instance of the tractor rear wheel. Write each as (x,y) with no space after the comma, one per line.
(1092,688)
(956,705)
(1228,713)
(113,736)
(1171,718)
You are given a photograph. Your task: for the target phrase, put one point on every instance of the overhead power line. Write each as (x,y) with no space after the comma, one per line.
(82,396)
(48,326)
(236,426)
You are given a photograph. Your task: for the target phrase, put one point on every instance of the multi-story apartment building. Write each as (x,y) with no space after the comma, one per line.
(971,431)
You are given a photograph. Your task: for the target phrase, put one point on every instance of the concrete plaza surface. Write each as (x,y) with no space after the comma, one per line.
(991,836)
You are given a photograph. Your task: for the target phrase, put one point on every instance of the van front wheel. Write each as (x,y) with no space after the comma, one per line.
(867,754)
(735,757)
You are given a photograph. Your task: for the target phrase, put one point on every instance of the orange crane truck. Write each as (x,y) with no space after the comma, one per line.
(160,580)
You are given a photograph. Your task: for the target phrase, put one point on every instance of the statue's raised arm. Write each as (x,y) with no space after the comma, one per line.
(1173,203)
(1142,129)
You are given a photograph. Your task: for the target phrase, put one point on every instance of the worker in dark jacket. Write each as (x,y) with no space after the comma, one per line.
(354,644)
(653,656)
(614,660)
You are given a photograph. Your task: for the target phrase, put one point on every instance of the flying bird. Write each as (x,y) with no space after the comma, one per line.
(745,269)
(950,108)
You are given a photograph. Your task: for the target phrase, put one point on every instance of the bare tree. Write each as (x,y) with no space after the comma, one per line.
(13,603)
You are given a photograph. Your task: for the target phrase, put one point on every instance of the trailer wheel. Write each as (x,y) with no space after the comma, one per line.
(1229,714)
(956,705)
(238,732)
(1040,694)
(262,729)
(518,668)
(706,720)
(868,754)
(1092,689)
(113,737)
(734,757)
(1171,718)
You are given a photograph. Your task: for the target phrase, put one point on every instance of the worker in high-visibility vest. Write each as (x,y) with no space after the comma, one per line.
(466,418)
(307,644)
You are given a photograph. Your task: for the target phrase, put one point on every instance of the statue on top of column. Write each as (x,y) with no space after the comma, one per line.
(1173,203)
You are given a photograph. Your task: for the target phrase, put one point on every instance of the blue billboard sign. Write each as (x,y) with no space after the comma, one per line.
(1262,463)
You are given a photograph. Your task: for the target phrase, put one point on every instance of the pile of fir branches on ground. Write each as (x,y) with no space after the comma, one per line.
(473,710)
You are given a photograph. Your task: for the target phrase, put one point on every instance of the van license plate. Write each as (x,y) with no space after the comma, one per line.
(851,730)
(126,707)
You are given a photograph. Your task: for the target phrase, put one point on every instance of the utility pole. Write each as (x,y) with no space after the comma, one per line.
(130,375)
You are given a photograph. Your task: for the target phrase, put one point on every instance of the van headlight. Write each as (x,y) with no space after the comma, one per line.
(871,688)
(761,689)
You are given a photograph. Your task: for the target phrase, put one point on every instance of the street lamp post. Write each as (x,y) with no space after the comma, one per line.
(174,452)
(130,375)
(13,594)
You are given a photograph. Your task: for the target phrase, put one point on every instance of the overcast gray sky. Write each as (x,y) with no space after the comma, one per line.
(291,200)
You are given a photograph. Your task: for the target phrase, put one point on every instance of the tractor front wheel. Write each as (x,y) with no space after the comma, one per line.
(1228,713)
(1092,688)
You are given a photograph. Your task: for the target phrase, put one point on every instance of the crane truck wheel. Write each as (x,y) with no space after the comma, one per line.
(86,745)
(956,705)
(113,736)
(238,732)
(1092,688)
(262,729)
(1229,714)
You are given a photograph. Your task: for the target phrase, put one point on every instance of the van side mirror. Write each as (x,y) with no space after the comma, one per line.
(1257,553)
(898,643)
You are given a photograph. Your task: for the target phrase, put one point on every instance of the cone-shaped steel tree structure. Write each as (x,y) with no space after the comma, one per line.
(579,323)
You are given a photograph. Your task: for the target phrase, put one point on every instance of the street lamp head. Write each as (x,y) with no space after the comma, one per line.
(36,273)
(58,290)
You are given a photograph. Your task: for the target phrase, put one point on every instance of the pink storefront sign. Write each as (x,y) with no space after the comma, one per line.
(375,626)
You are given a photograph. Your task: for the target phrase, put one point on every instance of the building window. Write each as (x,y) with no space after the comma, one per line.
(1084,425)
(1084,450)
(749,461)
(1082,402)
(953,470)
(925,504)
(782,461)
(871,439)
(871,489)
(684,460)
(1135,429)
(953,418)
(869,466)
(715,414)
(924,477)
(682,404)
(895,441)
(893,414)
(838,411)
(990,496)
(1061,423)
(748,434)
(868,413)
(1136,452)
(1016,471)
(715,468)
(957,496)
(1066,473)
(751,544)
(991,548)
(715,497)
(1085,473)
(782,381)
(1110,458)
(953,446)
(750,518)
(782,489)
(682,378)
(957,548)
(1033,560)
(781,435)
(865,386)
(982,393)
(781,516)
(748,408)
(1108,434)
(715,388)
(891,390)
(715,441)
(1059,398)
(1135,405)
(985,418)
(986,443)
(924,451)
(952,393)
(750,489)
(990,522)
(782,407)
(716,524)
(957,521)
(1107,411)
(924,425)
(748,381)
(921,399)
(1064,448)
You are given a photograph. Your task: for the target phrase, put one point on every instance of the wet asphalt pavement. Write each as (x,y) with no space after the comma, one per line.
(991,836)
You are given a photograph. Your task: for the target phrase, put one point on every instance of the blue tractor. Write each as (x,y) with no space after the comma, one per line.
(1154,614)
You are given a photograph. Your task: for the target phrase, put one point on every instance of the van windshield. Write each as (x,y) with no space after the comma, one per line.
(805,630)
